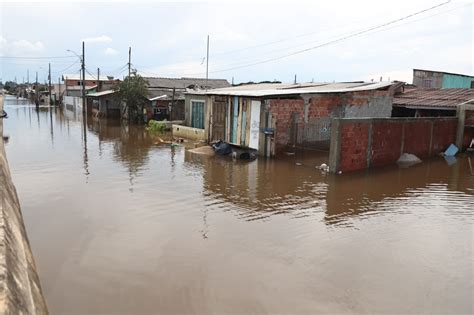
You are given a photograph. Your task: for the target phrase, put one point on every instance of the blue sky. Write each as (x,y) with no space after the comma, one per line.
(169,39)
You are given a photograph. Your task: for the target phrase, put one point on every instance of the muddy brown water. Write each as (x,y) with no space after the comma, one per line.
(121,225)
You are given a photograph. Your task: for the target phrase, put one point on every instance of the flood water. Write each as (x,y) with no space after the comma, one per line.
(121,225)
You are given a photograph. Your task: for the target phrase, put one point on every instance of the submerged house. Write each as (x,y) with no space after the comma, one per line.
(271,117)
(103,104)
(166,95)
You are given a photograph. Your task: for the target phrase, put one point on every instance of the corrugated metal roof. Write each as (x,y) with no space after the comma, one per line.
(79,87)
(433,98)
(184,83)
(275,89)
(77,76)
(165,94)
(102,93)
(157,98)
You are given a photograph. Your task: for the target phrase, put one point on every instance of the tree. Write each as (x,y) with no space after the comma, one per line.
(132,92)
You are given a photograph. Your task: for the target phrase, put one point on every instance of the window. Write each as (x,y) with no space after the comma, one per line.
(197,114)
(428,84)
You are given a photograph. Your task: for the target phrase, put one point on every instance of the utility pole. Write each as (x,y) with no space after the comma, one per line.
(83,68)
(98,80)
(36,81)
(129,59)
(207,63)
(59,91)
(295,78)
(49,83)
(28,76)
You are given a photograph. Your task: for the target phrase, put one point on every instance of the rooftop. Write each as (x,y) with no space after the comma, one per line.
(433,98)
(459,74)
(184,83)
(77,76)
(102,93)
(274,89)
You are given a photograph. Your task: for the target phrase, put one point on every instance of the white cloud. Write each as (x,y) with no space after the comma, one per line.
(183,69)
(110,52)
(97,39)
(21,47)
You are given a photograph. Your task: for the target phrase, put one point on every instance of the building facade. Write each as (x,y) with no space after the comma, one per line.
(428,79)
(272,117)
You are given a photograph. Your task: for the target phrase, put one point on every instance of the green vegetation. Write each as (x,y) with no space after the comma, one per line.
(155,126)
(132,92)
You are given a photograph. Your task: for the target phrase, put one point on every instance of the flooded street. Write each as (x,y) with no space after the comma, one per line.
(121,225)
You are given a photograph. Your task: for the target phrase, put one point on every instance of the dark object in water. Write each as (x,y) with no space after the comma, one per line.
(222,148)
(3,114)
(244,155)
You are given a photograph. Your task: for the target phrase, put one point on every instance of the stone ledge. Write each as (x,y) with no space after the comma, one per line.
(20,290)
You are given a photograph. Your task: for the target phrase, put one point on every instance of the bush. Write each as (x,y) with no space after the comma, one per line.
(156,126)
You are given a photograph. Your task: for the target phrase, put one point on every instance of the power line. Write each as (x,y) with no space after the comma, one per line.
(70,66)
(47,57)
(336,40)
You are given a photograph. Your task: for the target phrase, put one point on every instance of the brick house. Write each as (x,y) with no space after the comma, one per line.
(271,117)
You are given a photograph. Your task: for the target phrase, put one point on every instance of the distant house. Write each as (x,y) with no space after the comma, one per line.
(103,104)
(73,84)
(271,117)
(428,79)
(166,95)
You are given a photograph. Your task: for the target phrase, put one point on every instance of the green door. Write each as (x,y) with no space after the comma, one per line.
(197,114)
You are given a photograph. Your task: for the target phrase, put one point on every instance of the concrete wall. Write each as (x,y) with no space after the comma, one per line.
(188,132)
(358,144)
(421,75)
(20,290)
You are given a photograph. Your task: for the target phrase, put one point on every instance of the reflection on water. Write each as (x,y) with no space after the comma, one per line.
(120,224)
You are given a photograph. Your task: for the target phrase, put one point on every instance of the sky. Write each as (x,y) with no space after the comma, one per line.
(318,41)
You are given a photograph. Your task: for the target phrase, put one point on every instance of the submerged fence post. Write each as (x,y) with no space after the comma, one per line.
(335,145)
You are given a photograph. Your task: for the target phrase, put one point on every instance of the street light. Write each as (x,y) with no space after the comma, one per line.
(83,68)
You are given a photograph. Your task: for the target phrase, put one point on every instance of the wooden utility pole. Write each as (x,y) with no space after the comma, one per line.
(129,60)
(59,91)
(172,103)
(49,83)
(98,80)
(207,62)
(83,68)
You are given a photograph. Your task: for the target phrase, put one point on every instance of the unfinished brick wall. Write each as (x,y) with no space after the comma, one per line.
(283,111)
(358,144)
(286,111)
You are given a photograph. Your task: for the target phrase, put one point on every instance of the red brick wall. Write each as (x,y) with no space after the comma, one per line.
(282,111)
(354,142)
(469,118)
(469,129)
(384,140)
(78,82)
(444,133)
(417,138)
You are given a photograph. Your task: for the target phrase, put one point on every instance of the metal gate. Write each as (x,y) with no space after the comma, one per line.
(315,134)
